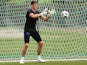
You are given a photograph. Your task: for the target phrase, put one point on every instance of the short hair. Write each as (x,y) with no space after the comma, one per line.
(33,2)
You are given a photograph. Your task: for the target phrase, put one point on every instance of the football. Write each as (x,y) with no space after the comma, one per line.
(65,14)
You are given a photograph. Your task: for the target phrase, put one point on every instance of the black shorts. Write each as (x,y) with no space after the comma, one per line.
(35,35)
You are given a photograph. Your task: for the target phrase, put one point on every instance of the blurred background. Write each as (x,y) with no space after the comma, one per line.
(64,38)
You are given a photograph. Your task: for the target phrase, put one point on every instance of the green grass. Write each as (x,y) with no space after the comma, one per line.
(49,63)
(58,44)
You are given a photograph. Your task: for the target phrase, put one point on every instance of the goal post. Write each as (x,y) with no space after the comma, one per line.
(63,38)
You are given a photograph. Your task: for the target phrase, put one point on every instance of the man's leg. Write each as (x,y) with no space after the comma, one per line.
(37,37)
(40,44)
(24,50)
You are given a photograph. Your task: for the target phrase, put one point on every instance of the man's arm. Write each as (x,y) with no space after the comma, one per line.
(45,18)
(34,15)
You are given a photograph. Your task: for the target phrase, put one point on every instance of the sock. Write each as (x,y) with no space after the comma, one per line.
(39,56)
(22,57)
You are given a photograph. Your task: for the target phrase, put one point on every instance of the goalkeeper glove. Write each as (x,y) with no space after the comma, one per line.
(51,12)
(44,12)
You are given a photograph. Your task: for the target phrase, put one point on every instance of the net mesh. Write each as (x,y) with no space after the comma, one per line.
(63,38)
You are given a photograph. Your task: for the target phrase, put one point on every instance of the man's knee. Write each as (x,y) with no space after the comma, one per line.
(41,43)
(26,45)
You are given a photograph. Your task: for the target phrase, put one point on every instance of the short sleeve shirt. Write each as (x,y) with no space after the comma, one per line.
(30,22)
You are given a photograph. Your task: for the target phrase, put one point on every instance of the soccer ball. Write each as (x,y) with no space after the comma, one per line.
(65,14)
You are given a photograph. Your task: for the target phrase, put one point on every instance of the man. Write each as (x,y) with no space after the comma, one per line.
(30,30)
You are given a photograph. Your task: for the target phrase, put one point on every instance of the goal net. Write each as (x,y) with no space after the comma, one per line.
(63,38)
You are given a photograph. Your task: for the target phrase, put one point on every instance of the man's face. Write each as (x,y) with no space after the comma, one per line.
(35,6)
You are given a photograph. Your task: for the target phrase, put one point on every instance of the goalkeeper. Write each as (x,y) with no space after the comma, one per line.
(30,30)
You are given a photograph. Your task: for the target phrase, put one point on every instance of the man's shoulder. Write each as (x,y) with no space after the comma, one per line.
(29,10)
(37,11)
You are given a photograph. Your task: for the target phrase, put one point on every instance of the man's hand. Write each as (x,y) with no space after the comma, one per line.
(51,12)
(48,13)
(44,12)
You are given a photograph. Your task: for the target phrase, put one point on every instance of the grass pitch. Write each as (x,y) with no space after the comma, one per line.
(58,44)
(49,63)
